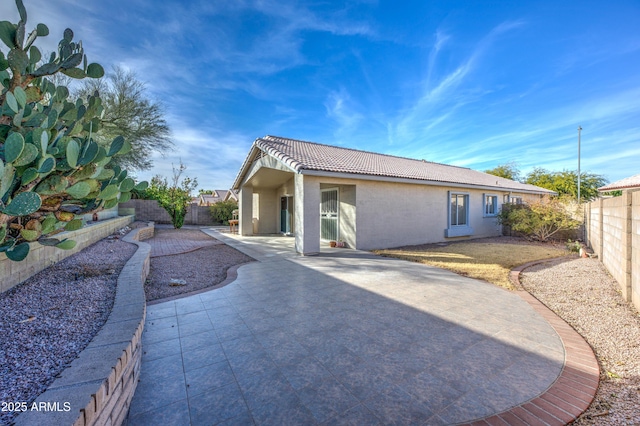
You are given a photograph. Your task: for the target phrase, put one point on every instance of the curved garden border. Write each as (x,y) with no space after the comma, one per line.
(98,386)
(574,389)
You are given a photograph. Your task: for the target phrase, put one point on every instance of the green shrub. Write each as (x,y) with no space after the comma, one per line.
(539,220)
(222,212)
(174,198)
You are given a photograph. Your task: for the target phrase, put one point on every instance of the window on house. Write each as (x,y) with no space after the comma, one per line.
(459,209)
(512,199)
(490,205)
(458,222)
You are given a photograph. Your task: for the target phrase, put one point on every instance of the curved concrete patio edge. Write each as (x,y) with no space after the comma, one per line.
(100,383)
(574,389)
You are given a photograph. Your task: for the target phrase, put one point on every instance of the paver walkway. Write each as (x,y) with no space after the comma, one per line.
(167,245)
(341,338)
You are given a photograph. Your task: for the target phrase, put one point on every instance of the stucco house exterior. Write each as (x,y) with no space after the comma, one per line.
(319,193)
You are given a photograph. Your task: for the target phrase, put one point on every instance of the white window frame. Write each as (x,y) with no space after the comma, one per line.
(496,207)
(513,199)
(458,230)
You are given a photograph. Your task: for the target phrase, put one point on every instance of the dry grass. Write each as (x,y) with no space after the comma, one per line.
(486,259)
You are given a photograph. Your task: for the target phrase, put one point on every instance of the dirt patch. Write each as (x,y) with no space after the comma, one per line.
(194,270)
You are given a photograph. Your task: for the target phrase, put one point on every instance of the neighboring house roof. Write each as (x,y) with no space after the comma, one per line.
(217,196)
(314,158)
(626,183)
(207,199)
(231,195)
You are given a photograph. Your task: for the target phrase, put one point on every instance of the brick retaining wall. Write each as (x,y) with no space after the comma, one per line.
(40,257)
(100,383)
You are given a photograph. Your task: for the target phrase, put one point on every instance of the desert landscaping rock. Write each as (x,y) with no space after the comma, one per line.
(588,298)
(46,321)
(204,264)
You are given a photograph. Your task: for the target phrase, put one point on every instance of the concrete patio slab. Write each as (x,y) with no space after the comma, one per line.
(345,337)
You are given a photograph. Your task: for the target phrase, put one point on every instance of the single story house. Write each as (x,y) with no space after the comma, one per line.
(320,193)
(628,183)
(216,196)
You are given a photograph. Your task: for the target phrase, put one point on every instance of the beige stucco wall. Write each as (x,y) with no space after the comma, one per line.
(348,223)
(397,214)
(265,216)
(307,214)
(389,214)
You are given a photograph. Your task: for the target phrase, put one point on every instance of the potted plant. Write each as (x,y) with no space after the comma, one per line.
(332,243)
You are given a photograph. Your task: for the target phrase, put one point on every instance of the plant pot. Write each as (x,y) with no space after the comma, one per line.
(332,243)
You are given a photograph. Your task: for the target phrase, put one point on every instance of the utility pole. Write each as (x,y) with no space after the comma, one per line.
(579,130)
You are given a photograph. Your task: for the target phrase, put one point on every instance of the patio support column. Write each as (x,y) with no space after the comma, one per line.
(307,214)
(245,201)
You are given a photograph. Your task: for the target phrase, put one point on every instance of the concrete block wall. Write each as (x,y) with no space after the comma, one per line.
(613,237)
(150,211)
(102,214)
(100,383)
(613,232)
(593,224)
(40,257)
(635,249)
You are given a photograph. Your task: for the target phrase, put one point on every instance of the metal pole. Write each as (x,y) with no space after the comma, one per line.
(579,130)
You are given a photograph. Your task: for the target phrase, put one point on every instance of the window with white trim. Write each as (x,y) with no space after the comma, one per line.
(490,205)
(458,210)
(512,199)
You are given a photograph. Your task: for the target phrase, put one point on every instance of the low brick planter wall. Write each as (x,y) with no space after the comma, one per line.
(97,388)
(41,257)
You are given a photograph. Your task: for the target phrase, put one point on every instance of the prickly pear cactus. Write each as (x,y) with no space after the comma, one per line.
(51,169)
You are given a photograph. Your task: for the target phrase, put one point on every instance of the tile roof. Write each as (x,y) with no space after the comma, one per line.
(626,183)
(302,155)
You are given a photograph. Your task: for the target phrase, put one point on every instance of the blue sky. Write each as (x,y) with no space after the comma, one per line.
(468,83)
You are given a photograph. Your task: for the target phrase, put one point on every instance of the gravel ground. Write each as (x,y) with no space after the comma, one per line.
(46,321)
(200,269)
(583,293)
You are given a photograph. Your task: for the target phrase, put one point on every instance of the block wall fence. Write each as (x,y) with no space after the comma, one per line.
(613,232)
(150,211)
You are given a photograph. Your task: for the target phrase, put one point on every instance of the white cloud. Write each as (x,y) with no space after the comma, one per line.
(340,107)
(440,98)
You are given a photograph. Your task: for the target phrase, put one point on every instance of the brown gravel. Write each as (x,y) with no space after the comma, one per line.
(47,320)
(200,269)
(583,293)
